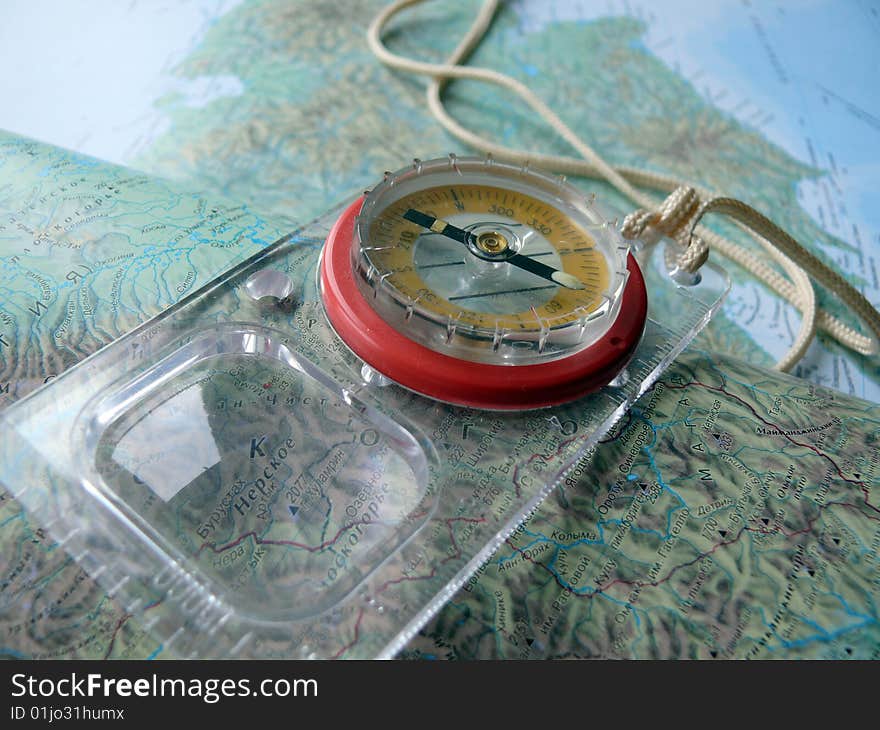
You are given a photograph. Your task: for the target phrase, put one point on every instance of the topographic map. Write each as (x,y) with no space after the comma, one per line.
(732,514)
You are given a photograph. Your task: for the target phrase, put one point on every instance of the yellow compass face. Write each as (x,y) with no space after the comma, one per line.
(488,262)
(487,257)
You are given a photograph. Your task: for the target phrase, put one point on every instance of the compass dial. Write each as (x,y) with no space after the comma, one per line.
(484,263)
(474,283)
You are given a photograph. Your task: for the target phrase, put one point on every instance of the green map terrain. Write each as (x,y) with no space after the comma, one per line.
(728,516)
(732,514)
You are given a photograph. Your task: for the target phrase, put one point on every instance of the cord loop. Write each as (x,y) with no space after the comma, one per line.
(671,219)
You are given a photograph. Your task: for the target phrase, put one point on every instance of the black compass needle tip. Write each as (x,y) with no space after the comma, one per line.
(437,225)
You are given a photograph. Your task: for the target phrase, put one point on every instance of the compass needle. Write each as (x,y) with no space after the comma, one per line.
(493,245)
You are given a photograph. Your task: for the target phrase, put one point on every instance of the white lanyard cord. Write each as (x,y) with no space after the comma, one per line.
(676,217)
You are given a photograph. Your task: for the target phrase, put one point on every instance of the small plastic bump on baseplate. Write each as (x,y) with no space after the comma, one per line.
(268,283)
(373,377)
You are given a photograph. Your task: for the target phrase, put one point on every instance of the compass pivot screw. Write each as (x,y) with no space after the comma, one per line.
(492,242)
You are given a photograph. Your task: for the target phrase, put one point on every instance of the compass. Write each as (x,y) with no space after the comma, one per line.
(483,284)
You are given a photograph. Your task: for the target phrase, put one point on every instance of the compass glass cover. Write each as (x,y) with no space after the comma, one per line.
(488,262)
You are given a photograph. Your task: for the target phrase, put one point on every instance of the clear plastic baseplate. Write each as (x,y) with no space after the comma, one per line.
(235,478)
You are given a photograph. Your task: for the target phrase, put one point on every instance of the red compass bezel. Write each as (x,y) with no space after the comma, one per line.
(462,382)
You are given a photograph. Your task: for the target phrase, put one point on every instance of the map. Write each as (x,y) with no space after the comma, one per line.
(733,514)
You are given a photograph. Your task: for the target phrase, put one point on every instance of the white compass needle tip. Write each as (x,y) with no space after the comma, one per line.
(567,280)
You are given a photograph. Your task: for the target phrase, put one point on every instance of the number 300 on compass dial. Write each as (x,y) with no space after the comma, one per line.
(483,284)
